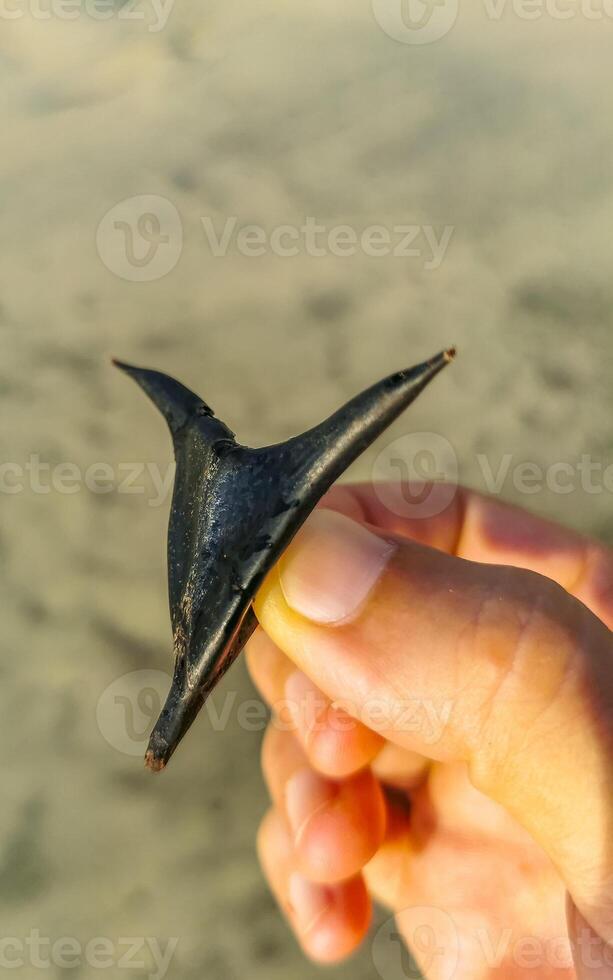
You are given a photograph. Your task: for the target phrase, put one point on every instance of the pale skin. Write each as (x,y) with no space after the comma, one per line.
(445,746)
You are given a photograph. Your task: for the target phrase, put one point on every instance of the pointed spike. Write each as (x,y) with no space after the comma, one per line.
(184,701)
(176,402)
(154,763)
(324,452)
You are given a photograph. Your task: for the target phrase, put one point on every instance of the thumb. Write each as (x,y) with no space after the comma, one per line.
(492,665)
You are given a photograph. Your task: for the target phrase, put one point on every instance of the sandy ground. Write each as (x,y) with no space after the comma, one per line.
(502,131)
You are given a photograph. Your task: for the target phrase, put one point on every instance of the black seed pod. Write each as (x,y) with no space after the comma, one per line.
(234,511)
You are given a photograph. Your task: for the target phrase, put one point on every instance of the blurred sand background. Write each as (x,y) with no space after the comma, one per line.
(270,113)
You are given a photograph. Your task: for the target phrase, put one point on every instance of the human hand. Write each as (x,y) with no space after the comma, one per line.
(410,655)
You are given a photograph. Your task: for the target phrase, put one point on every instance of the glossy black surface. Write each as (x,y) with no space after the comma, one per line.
(234,511)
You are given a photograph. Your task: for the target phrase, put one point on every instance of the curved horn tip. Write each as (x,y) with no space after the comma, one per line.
(122,365)
(154,763)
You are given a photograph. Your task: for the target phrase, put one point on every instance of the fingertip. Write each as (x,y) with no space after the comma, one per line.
(390,871)
(336,743)
(338,827)
(275,851)
(340,752)
(331,921)
(281,756)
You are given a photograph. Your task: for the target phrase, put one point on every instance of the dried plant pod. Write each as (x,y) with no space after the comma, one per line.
(234,511)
